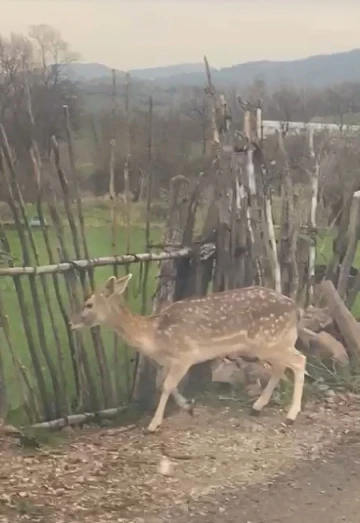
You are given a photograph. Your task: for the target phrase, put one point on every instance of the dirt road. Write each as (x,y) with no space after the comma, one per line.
(326,490)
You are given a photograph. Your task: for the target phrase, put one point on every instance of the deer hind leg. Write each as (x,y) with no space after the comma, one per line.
(180,400)
(297,363)
(277,374)
(175,374)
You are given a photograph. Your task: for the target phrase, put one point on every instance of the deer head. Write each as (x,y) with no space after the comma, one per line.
(96,308)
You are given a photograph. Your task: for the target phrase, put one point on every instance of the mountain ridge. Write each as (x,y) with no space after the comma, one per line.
(316,70)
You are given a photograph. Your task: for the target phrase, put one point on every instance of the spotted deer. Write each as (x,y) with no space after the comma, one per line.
(254,322)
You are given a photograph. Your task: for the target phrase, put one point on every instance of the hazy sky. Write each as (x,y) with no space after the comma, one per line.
(141,33)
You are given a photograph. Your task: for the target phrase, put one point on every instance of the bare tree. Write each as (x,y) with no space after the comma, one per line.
(340,100)
(197,110)
(52,52)
(290,103)
(50,83)
(39,65)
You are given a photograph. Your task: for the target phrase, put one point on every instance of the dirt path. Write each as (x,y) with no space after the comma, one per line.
(228,467)
(326,490)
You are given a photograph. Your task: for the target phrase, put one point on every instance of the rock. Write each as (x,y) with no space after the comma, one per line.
(330,393)
(315,319)
(325,347)
(227,372)
(256,372)
(239,372)
(323,387)
(253,390)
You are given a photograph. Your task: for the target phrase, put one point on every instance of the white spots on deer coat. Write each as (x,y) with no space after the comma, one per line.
(230,317)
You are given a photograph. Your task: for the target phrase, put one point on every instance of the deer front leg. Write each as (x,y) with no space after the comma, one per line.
(175,374)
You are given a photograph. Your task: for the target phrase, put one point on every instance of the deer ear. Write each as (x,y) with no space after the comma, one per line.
(109,287)
(122,283)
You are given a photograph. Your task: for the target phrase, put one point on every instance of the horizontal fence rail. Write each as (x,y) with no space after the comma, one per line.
(70,377)
(95,262)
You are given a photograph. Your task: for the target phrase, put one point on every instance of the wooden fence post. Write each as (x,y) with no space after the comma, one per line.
(145,380)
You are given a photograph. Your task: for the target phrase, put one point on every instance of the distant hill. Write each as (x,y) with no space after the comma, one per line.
(319,70)
(95,71)
(156,73)
(87,72)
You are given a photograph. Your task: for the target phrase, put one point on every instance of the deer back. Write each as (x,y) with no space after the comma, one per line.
(231,318)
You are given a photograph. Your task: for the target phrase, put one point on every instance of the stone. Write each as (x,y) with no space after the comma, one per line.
(227,372)
(326,347)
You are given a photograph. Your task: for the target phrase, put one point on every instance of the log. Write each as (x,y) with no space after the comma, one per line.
(77,419)
(347,324)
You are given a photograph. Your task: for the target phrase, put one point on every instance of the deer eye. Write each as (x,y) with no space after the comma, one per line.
(89,305)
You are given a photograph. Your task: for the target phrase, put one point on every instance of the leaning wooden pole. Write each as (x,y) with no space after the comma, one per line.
(114,202)
(79,355)
(36,164)
(127,192)
(269,230)
(352,236)
(71,150)
(288,229)
(315,174)
(98,347)
(140,361)
(149,178)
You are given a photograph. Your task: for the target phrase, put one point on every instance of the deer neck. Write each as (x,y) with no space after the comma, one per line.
(134,329)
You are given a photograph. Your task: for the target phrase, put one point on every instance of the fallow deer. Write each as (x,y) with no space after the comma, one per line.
(253,322)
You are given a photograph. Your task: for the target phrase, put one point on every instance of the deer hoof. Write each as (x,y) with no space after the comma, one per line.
(149,430)
(254,412)
(289,422)
(190,407)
